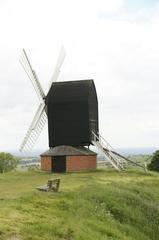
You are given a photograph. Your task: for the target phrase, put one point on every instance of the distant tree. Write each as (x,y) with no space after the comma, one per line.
(7,162)
(154,165)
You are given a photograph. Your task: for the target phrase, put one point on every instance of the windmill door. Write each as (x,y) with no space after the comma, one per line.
(59,164)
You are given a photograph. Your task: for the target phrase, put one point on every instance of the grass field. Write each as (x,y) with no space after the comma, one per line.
(96,205)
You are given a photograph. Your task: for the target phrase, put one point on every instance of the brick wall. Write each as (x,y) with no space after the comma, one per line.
(80,163)
(46,163)
(73,163)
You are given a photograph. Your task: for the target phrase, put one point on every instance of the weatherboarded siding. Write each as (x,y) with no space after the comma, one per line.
(80,163)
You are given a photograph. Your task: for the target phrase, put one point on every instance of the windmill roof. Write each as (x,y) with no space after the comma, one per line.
(68,151)
(69,91)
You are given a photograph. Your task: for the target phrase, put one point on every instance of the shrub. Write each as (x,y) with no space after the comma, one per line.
(154,165)
(7,162)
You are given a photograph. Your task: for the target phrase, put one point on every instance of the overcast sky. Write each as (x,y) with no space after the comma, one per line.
(115,42)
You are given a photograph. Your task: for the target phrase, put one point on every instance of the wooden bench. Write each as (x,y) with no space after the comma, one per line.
(52,185)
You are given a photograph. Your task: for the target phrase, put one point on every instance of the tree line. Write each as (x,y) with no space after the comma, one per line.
(8,162)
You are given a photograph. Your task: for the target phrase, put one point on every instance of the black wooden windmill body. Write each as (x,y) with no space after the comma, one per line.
(71,108)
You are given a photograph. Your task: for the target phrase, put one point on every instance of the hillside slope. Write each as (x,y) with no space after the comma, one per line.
(96,205)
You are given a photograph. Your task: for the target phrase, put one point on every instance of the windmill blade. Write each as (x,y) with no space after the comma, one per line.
(24,60)
(59,63)
(35,129)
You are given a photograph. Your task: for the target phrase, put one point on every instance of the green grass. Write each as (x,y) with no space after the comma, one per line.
(96,205)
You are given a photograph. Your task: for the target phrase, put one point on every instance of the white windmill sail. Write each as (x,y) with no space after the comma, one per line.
(59,63)
(24,60)
(35,129)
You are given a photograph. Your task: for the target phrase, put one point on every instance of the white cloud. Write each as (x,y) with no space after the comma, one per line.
(120,53)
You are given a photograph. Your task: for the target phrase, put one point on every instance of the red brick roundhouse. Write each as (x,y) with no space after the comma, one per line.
(72,110)
(68,159)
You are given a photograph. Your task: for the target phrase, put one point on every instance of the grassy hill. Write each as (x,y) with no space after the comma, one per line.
(96,205)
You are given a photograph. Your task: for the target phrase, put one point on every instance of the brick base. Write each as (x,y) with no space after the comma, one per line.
(73,163)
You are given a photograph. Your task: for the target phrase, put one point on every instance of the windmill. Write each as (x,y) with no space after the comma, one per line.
(72,111)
